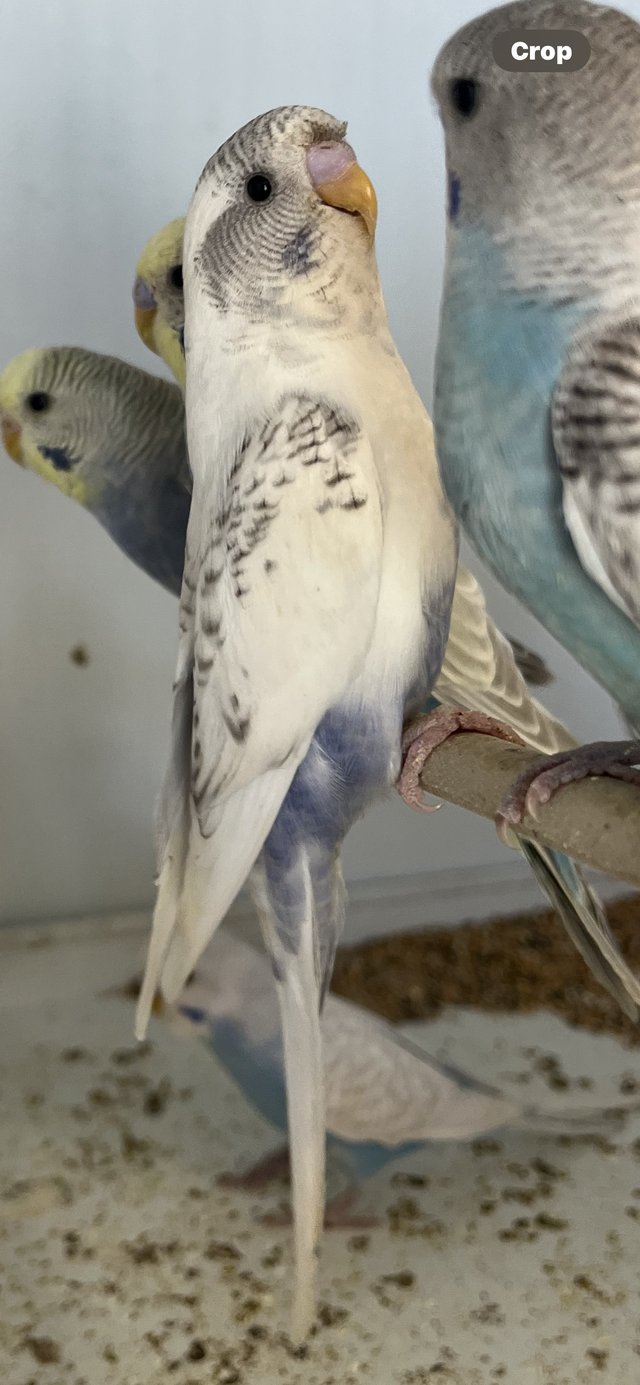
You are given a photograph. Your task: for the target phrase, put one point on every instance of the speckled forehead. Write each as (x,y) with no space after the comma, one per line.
(292,126)
(46,370)
(68,373)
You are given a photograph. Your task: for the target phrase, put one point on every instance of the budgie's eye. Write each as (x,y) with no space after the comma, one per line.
(175,277)
(38,401)
(464,95)
(258,187)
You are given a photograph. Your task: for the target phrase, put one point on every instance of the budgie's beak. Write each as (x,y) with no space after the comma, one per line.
(340,182)
(145,309)
(12,439)
(144,320)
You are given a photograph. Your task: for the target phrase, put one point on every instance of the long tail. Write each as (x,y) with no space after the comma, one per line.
(301,915)
(585,921)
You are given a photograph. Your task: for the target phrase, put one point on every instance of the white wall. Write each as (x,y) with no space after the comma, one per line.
(108,110)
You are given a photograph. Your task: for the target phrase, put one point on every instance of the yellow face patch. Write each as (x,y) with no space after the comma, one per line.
(70,483)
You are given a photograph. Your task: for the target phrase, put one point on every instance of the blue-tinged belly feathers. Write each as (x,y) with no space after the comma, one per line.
(499,356)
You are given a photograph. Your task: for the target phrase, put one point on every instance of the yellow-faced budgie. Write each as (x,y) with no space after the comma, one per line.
(158,297)
(111,437)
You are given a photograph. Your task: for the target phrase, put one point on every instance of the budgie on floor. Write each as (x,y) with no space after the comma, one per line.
(537,397)
(385,1097)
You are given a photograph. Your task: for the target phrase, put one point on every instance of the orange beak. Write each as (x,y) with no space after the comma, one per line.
(144,320)
(352,191)
(12,439)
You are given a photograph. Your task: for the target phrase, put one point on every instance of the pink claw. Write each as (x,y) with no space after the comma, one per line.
(423,736)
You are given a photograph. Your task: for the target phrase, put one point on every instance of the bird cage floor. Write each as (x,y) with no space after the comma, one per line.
(515,1258)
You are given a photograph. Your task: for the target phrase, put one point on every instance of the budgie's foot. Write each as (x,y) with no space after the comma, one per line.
(338,1215)
(273,1168)
(423,736)
(534,788)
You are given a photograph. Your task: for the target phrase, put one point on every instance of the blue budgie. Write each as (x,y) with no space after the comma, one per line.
(537,398)
(386,1097)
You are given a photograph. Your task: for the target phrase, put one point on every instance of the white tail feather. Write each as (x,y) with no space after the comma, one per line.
(216,869)
(299,1004)
(164,922)
(299,998)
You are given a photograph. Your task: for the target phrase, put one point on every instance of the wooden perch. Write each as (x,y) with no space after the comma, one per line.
(596,821)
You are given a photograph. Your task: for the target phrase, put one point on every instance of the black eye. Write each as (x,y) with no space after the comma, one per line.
(258,187)
(38,401)
(175,277)
(464,95)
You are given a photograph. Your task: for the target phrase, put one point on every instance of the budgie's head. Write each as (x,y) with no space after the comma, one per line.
(78,419)
(281,226)
(159,299)
(233,983)
(540,151)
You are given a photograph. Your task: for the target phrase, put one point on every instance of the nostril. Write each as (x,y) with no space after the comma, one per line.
(142,295)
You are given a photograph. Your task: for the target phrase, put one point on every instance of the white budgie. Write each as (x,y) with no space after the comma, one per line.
(318,581)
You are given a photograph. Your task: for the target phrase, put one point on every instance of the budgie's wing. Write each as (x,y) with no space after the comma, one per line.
(278,603)
(382,1087)
(480,672)
(596,435)
(585,921)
